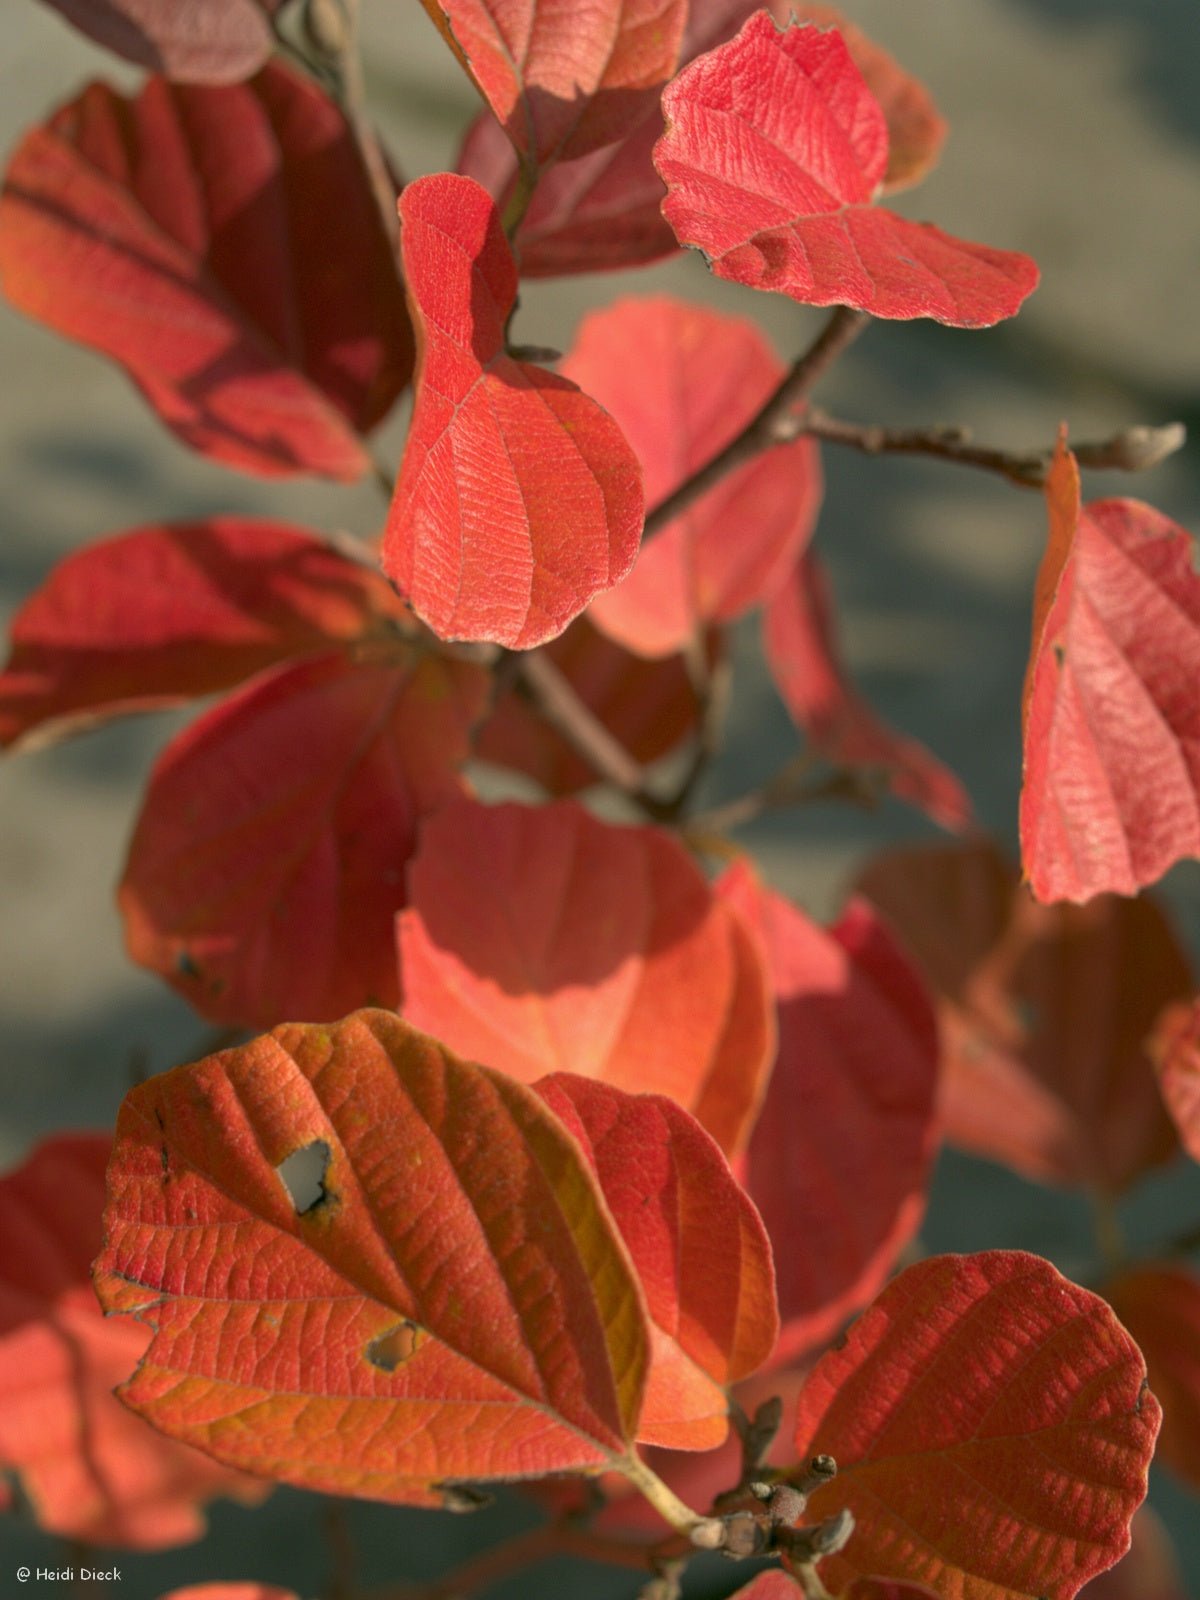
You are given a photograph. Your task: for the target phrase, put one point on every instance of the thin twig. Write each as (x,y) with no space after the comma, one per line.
(1131,450)
(792,785)
(769,426)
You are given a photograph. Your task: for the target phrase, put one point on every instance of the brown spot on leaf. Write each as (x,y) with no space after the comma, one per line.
(394,1347)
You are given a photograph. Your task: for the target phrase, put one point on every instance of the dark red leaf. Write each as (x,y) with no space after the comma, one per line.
(518,498)
(176,610)
(1044,1012)
(540,939)
(202,41)
(563,81)
(1160,1305)
(682,380)
(774,149)
(992,1429)
(839,1160)
(87,1469)
(268,861)
(1111,796)
(1149,1572)
(186,234)
(803,657)
(1175,1050)
(697,1244)
(649,706)
(445,1298)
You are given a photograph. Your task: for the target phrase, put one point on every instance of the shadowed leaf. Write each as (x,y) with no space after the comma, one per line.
(1160,1305)
(202,41)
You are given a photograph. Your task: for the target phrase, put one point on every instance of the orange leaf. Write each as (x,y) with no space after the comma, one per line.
(87,1468)
(187,235)
(992,1429)
(518,498)
(444,1297)
(541,939)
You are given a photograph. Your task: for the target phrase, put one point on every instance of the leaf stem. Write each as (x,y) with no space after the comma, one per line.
(518,202)
(670,1507)
(770,425)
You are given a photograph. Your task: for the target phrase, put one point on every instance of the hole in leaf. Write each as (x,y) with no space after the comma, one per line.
(303,1175)
(395,1346)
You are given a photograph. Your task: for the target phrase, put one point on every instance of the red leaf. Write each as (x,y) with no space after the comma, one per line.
(1160,1305)
(88,1469)
(839,1160)
(649,706)
(697,1244)
(268,860)
(992,1431)
(204,41)
(540,939)
(1149,1572)
(231,1591)
(172,611)
(560,81)
(1111,796)
(518,498)
(681,381)
(604,210)
(774,149)
(803,658)
(186,234)
(886,1589)
(451,1302)
(774,1585)
(916,131)
(1044,1012)
(1175,1050)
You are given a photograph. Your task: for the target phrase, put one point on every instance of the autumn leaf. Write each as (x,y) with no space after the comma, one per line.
(560,81)
(1150,1571)
(1111,793)
(540,939)
(448,1300)
(698,1246)
(231,1591)
(86,1469)
(172,611)
(774,151)
(185,234)
(839,1160)
(1044,1013)
(518,498)
(802,655)
(650,707)
(682,381)
(268,860)
(205,41)
(775,1585)
(992,1429)
(1160,1305)
(1174,1048)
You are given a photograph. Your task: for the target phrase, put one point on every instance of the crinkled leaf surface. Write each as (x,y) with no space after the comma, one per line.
(682,380)
(1044,1011)
(1150,1571)
(518,498)
(774,150)
(175,610)
(839,1160)
(268,860)
(1160,1305)
(801,651)
(187,234)
(540,939)
(1175,1051)
(649,706)
(1111,793)
(563,80)
(203,41)
(452,1303)
(699,1248)
(87,1469)
(604,210)
(992,1429)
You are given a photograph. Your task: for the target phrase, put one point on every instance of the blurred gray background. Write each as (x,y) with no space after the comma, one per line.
(1075,136)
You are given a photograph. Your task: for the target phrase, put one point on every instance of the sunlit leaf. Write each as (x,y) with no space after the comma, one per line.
(1150,1571)
(992,1429)
(445,1298)
(540,939)
(187,234)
